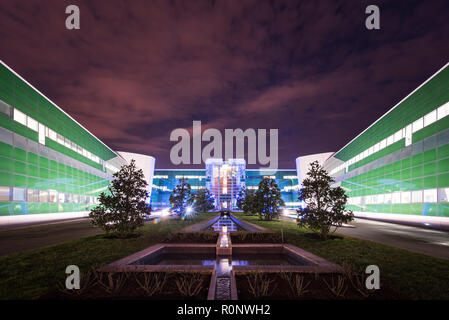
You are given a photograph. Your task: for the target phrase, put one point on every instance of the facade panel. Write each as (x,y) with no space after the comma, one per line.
(400,164)
(48,162)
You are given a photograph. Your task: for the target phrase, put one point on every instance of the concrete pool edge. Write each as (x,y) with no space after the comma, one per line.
(200,226)
(319,265)
(126,264)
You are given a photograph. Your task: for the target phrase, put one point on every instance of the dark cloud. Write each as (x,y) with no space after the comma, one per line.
(139,69)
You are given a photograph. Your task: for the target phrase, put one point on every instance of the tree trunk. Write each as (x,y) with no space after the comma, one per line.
(323,234)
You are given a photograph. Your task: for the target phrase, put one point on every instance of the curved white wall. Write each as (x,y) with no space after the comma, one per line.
(302,164)
(146,163)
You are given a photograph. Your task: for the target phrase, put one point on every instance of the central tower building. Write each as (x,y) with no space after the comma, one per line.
(224,179)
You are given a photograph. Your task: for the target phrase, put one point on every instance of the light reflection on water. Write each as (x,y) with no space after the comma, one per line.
(209,260)
(231,225)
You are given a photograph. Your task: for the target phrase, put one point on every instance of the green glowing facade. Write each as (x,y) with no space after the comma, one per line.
(400,164)
(49,163)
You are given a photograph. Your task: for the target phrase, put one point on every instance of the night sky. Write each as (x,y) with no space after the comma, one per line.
(136,70)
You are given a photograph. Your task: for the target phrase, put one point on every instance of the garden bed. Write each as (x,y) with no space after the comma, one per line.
(256,237)
(192,237)
(307,286)
(136,285)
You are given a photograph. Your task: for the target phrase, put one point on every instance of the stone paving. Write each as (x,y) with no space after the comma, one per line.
(223,289)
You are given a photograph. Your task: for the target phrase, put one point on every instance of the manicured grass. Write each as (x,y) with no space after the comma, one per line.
(411,275)
(29,274)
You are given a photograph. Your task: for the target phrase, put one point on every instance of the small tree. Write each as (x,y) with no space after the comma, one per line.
(241,198)
(324,205)
(246,201)
(123,209)
(181,198)
(268,199)
(203,201)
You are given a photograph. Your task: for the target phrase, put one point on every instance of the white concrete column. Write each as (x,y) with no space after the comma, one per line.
(146,163)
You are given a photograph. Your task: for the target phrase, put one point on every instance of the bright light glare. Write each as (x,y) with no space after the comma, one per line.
(189,210)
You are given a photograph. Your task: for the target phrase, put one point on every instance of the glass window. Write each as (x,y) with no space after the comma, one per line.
(41,133)
(75,198)
(5,193)
(60,139)
(43,196)
(5,109)
(408,135)
(406,197)
(383,144)
(20,117)
(380,198)
(430,118)
(61,197)
(390,140)
(67,143)
(32,195)
(397,136)
(68,198)
(443,195)
(443,111)
(32,124)
(396,197)
(430,195)
(387,198)
(53,196)
(417,196)
(74,147)
(52,135)
(367,199)
(418,125)
(18,194)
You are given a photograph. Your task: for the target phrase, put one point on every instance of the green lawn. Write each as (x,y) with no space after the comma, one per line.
(28,274)
(412,275)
